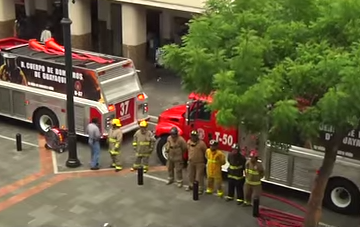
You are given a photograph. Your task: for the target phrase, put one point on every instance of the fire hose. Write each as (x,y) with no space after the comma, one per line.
(269,217)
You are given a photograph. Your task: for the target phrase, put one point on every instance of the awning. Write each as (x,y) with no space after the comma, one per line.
(165,5)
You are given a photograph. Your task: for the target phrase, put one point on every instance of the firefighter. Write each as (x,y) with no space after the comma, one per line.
(196,168)
(254,172)
(143,144)
(175,147)
(215,159)
(115,139)
(236,175)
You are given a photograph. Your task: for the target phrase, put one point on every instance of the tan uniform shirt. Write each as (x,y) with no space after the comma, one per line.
(196,151)
(176,148)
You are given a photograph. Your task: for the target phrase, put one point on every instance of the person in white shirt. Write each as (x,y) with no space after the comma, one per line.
(45,34)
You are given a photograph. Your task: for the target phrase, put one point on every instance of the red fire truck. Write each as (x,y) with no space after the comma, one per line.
(290,166)
(33,86)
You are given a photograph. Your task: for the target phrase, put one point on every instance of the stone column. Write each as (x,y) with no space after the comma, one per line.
(104,25)
(166,20)
(134,37)
(80,15)
(7,18)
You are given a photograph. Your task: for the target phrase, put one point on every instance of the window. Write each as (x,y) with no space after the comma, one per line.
(204,113)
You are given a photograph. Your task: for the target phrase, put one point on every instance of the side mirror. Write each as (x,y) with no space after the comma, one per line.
(187,114)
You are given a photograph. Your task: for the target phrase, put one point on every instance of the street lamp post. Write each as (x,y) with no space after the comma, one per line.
(73,160)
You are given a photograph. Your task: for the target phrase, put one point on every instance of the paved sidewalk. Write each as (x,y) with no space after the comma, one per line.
(92,201)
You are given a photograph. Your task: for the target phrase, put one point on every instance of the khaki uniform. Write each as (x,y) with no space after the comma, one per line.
(254,172)
(175,149)
(196,166)
(215,159)
(115,139)
(143,144)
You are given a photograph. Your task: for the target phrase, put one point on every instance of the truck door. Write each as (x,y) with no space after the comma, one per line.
(226,136)
(200,120)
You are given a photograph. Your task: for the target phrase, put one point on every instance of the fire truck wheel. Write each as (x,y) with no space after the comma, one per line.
(45,119)
(342,196)
(160,149)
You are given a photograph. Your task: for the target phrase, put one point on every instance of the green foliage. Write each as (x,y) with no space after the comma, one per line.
(256,53)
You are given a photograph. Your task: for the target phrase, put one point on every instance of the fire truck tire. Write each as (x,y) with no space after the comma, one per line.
(342,196)
(45,118)
(160,149)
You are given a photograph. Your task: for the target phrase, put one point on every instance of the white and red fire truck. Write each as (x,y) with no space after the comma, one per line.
(33,86)
(290,166)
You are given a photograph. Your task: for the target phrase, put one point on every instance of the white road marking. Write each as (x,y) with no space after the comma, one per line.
(155,178)
(23,142)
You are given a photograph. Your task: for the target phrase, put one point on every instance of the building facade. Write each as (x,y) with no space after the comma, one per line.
(129,28)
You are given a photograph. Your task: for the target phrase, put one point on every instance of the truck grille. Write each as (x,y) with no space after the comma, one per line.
(279,167)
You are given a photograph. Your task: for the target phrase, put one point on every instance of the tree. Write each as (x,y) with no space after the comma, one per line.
(302,58)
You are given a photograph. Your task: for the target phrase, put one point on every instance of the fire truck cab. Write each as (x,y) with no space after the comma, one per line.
(285,165)
(33,87)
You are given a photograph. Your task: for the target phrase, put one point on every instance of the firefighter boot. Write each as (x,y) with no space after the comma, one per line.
(229,198)
(112,165)
(239,201)
(179,184)
(170,182)
(188,188)
(209,191)
(220,193)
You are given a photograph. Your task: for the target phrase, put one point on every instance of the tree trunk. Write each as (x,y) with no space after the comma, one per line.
(314,205)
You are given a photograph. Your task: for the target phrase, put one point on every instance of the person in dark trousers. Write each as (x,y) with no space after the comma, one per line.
(236,177)
(94,133)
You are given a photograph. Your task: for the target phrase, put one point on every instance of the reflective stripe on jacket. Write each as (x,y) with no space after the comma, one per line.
(254,173)
(236,166)
(215,159)
(115,139)
(143,143)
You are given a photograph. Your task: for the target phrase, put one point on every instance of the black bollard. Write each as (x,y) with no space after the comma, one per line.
(18,142)
(140,176)
(256,204)
(196,191)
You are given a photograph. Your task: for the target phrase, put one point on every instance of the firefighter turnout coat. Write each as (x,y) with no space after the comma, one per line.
(215,159)
(115,139)
(143,143)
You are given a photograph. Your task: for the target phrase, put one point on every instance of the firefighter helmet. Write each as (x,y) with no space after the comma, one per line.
(214,143)
(116,122)
(143,124)
(254,154)
(194,133)
(235,146)
(174,131)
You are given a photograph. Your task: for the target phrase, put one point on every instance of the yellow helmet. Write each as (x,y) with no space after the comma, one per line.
(116,122)
(143,124)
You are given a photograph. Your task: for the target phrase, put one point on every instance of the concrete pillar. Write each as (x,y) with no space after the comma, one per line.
(80,15)
(104,26)
(134,36)
(166,20)
(7,18)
